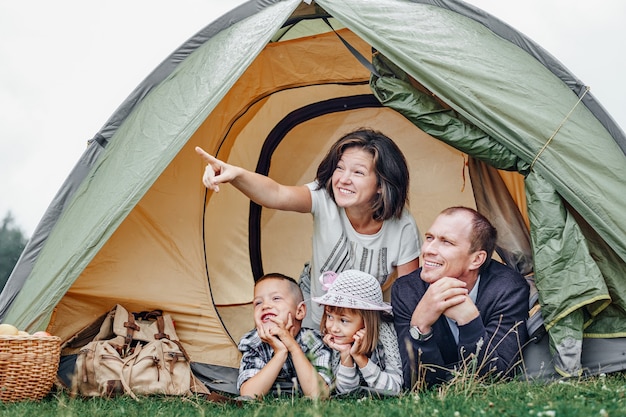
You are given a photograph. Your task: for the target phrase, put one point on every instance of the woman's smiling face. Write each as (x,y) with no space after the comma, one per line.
(355,183)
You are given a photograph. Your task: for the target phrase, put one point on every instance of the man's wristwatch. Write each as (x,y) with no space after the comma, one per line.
(416,334)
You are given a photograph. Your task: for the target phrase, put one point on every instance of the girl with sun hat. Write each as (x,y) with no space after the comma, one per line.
(365,346)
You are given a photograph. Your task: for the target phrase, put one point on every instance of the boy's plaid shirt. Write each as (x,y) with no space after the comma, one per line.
(257,354)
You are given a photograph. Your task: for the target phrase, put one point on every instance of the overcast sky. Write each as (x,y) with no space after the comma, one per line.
(66,65)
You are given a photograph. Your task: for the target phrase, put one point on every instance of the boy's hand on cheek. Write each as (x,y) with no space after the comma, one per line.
(267,335)
(283,331)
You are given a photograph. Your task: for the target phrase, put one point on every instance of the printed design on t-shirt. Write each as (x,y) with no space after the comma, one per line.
(347,254)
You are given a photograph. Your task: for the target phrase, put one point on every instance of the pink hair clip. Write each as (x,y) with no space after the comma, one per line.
(327,278)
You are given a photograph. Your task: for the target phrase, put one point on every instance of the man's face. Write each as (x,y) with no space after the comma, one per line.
(446,248)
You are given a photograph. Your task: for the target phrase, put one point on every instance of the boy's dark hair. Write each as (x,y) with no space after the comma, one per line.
(294,286)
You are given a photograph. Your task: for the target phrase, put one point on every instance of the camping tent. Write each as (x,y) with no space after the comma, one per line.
(486,118)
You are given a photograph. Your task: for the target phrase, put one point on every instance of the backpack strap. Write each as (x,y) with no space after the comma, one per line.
(162,335)
(161,329)
(131,328)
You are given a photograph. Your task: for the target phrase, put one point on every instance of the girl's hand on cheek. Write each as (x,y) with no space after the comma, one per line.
(359,336)
(329,339)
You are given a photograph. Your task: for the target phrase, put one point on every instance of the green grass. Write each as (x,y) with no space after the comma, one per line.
(601,396)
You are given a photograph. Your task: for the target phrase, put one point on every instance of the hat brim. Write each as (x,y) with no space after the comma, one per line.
(342,300)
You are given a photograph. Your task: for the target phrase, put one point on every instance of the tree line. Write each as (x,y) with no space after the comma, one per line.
(12,243)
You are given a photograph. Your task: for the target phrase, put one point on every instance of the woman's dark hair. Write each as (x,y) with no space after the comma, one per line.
(390,166)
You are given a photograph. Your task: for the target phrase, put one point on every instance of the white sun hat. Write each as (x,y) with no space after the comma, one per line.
(352,289)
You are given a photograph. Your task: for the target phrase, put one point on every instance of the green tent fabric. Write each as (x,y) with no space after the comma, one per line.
(451,70)
(567,276)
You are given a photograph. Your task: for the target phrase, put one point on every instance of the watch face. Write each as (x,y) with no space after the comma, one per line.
(415,334)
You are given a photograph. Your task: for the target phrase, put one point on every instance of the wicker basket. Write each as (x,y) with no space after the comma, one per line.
(28,366)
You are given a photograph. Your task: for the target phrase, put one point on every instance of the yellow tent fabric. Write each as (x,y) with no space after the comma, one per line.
(163,232)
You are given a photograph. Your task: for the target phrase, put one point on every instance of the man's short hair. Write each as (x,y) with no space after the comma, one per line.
(483,236)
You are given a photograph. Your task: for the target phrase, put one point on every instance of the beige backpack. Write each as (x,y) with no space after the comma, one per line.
(144,357)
